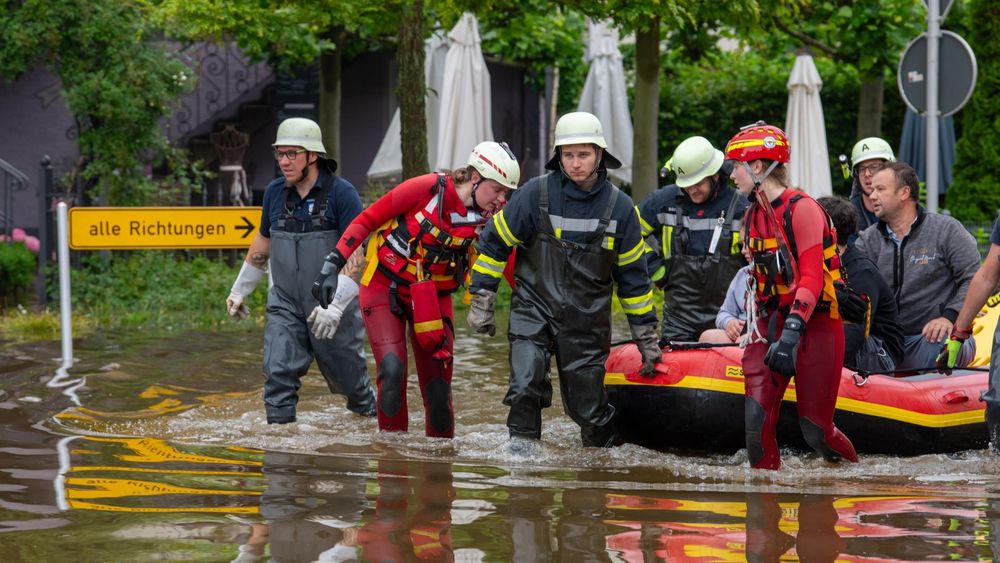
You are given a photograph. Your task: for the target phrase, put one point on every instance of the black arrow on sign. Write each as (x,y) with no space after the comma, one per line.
(247,226)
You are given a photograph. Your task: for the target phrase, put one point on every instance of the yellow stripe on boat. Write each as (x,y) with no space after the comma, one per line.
(735,387)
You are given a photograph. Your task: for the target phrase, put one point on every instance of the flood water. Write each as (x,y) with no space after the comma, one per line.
(167,456)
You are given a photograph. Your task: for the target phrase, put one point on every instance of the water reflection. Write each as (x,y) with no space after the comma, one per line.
(165,456)
(238,504)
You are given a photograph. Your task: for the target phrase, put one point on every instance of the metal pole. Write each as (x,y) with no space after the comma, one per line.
(44,185)
(65,313)
(933,113)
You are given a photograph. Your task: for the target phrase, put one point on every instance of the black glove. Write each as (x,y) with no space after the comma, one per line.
(781,355)
(648,343)
(325,286)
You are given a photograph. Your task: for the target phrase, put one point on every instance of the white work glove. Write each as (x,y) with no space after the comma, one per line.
(326,321)
(480,317)
(244,285)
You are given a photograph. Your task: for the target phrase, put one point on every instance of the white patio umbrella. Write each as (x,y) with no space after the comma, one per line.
(604,95)
(388,162)
(466,102)
(809,166)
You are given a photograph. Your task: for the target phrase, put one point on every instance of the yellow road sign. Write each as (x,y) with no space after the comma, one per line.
(105,228)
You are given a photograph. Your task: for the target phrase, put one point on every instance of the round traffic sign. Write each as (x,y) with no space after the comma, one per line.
(956,73)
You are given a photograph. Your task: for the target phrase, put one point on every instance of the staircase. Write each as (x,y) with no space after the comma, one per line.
(13,181)
(230,90)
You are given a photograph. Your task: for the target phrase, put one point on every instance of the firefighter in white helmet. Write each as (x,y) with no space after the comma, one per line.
(577,237)
(867,157)
(304,212)
(422,233)
(693,230)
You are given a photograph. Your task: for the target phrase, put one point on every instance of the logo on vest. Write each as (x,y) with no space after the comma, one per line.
(922,257)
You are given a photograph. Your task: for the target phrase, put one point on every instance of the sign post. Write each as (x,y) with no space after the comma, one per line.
(931,60)
(115,228)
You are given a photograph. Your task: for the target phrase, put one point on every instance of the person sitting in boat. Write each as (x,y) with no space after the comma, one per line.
(795,265)
(578,239)
(927,259)
(876,345)
(693,227)
(731,319)
(984,283)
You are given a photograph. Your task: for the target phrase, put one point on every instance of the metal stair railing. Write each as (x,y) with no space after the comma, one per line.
(224,74)
(13,181)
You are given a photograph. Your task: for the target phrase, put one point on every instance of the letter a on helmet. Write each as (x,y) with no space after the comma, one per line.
(694,160)
(871,148)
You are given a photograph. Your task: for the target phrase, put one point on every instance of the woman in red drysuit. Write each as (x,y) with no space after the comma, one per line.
(795,265)
(423,229)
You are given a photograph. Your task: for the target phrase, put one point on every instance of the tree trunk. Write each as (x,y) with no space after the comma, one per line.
(647,109)
(870,106)
(412,89)
(330,64)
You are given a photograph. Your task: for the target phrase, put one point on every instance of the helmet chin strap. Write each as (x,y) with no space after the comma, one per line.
(593,172)
(305,171)
(758,180)
(475,204)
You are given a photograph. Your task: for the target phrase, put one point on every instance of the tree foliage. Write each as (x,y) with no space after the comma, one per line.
(545,37)
(973,195)
(118,81)
(868,35)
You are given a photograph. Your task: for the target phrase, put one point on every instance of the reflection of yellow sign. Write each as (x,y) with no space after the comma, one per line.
(173,480)
(118,488)
(96,228)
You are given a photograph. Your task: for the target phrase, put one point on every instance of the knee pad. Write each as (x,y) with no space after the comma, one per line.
(439,405)
(753,422)
(816,439)
(390,384)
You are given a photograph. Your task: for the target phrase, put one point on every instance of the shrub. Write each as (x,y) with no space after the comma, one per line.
(158,289)
(17,270)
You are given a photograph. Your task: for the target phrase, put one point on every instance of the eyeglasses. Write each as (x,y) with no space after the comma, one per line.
(290,155)
(870,168)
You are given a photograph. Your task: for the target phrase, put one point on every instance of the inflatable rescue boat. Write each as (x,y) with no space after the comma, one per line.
(697,403)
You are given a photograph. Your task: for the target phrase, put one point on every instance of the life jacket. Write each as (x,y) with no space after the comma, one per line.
(440,241)
(772,269)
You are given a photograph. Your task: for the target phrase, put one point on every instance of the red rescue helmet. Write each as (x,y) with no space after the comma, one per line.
(758,141)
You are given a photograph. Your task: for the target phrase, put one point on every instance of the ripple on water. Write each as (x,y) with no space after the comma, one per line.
(159,391)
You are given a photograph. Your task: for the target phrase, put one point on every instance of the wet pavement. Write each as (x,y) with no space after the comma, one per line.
(168,456)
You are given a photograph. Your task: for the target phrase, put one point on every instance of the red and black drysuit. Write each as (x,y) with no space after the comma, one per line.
(421,222)
(811,296)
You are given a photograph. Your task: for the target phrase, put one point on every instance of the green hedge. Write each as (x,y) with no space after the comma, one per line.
(974,195)
(722,92)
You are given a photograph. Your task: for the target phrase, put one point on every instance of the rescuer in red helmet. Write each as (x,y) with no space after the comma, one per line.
(794,324)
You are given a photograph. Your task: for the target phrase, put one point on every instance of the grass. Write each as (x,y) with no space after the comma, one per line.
(162,291)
